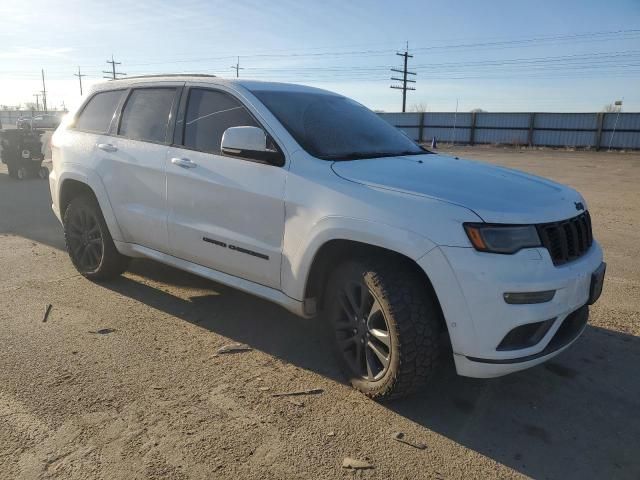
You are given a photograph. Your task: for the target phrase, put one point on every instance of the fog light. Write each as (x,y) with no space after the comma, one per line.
(519,298)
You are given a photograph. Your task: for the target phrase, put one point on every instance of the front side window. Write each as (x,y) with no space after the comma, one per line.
(334,127)
(98,113)
(146,114)
(209,114)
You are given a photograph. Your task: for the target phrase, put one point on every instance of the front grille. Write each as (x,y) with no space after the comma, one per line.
(567,240)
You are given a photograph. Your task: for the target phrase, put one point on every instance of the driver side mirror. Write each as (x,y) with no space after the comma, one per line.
(250,143)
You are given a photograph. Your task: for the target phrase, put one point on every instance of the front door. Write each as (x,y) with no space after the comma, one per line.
(224,213)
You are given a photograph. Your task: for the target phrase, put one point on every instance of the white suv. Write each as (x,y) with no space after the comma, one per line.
(310,200)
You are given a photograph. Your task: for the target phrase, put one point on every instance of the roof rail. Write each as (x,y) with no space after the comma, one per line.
(205,75)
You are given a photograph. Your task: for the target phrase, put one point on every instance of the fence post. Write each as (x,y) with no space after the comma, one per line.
(600,123)
(532,125)
(421,128)
(472,131)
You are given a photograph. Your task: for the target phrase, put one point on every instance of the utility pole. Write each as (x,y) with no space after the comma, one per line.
(37,95)
(237,68)
(44,93)
(113,75)
(79,75)
(404,78)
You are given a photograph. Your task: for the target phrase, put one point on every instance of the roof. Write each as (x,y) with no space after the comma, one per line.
(203,78)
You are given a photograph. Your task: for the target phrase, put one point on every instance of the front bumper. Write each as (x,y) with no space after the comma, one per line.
(470,286)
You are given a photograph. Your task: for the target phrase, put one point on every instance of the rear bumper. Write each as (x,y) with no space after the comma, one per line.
(470,286)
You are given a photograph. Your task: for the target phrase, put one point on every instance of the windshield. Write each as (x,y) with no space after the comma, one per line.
(333,127)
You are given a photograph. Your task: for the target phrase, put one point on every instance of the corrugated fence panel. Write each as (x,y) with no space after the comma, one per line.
(446,134)
(564,138)
(413,133)
(567,120)
(446,119)
(492,135)
(549,129)
(397,119)
(502,120)
(626,121)
(620,139)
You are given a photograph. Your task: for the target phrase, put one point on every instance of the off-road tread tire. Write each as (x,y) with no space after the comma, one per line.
(414,319)
(113,263)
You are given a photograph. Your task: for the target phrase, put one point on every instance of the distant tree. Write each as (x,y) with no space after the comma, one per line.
(611,108)
(30,106)
(419,107)
(4,107)
(477,110)
(379,111)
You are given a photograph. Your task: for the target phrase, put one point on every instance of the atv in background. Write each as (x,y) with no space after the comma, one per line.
(21,150)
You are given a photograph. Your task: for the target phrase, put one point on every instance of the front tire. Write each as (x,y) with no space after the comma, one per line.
(386,326)
(89,242)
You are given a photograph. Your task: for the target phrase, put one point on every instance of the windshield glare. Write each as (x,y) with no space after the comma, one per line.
(333,127)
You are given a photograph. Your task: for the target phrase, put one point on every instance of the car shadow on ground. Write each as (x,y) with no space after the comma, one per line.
(546,422)
(25,210)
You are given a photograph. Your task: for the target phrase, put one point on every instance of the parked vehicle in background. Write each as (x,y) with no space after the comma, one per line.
(45,121)
(21,151)
(308,199)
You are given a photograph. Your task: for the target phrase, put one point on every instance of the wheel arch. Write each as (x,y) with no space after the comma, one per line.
(73,184)
(335,251)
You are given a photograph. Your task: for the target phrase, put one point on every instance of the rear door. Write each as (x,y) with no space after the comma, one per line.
(225,213)
(133,166)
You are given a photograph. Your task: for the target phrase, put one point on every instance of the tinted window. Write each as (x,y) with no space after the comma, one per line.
(97,114)
(146,114)
(331,126)
(209,114)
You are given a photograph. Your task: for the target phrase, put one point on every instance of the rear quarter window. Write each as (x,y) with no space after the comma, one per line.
(96,116)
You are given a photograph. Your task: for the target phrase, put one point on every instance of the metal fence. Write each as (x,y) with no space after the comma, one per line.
(9,117)
(594,130)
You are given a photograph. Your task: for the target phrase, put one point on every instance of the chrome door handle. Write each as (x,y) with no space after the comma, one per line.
(183,162)
(107,147)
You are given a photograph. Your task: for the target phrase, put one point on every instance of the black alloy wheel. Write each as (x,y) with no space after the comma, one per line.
(362,332)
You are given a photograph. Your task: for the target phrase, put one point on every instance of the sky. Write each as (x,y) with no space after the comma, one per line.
(570,55)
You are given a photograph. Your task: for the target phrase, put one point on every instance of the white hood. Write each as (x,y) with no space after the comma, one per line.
(496,194)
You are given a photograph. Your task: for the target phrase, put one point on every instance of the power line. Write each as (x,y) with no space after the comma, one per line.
(404,78)
(114,74)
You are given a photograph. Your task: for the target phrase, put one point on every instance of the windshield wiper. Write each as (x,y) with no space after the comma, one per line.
(365,155)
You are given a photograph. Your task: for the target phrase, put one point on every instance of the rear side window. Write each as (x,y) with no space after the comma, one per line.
(209,114)
(97,114)
(146,114)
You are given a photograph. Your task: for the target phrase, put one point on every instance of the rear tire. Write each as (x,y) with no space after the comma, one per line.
(89,242)
(387,330)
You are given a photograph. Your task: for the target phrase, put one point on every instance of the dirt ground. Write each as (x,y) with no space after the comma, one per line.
(122,380)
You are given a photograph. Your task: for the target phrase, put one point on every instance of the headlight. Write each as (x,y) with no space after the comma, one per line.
(502,238)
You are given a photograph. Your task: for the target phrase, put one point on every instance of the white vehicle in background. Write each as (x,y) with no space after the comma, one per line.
(310,200)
